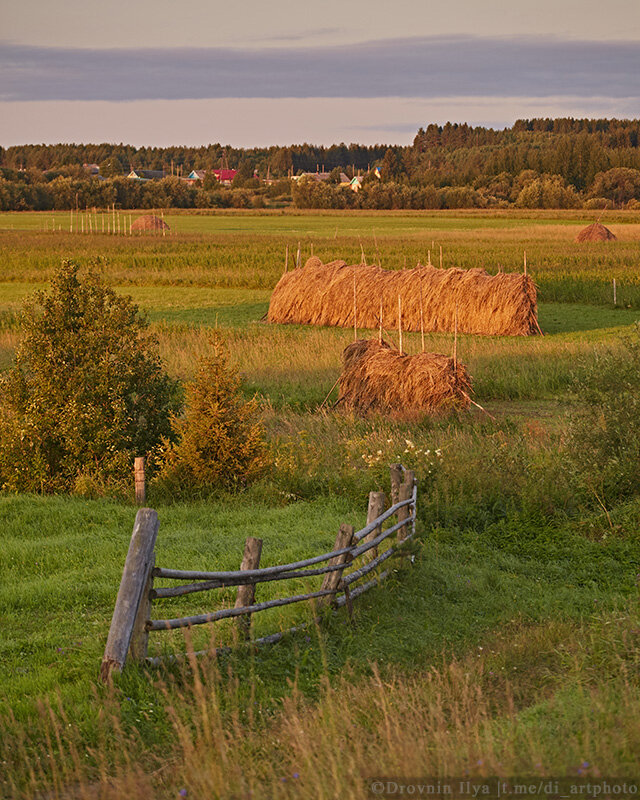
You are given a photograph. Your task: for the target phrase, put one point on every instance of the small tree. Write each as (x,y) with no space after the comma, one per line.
(221,442)
(87,392)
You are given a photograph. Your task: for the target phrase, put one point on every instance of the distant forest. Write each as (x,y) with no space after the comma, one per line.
(537,163)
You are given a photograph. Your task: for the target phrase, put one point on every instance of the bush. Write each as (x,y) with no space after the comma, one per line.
(604,437)
(220,441)
(87,392)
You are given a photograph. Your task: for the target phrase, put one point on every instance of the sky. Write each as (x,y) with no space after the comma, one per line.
(154,72)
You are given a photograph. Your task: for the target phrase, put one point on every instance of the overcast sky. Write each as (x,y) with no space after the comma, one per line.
(279,72)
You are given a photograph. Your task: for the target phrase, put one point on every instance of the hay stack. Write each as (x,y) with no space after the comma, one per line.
(149,222)
(322,294)
(595,232)
(376,377)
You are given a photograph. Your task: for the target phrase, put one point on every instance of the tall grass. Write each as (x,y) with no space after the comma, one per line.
(501,710)
(249,251)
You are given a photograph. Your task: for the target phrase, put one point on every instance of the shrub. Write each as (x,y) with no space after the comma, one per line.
(220,440)
(604,437)
(87,391)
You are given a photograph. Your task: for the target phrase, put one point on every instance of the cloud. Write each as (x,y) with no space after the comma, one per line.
(413,67)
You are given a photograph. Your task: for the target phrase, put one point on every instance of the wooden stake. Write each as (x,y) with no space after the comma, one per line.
(312,248)
(246,594)
(396,473)
(380,333)
(286,259)
(363,258)
(355,310)
(298,256)
(140,484)
(405,492)
(429,257)
(525,263)
(377,503)
(455,342)
(332,579)
(400,322)
(440,256)
(614,293)
(421,314)
(71,221)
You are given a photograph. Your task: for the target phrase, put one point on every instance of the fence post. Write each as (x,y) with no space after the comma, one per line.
(140,637)
(247,593)
(332,579)
(377,502)
(397,474)
(405,493)
(135,576)
(138,471)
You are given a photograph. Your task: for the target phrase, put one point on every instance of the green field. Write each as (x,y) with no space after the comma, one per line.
(515,628)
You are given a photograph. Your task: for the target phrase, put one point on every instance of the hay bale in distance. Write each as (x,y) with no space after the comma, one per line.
(596,232)
(149,222)
(322,294)
(377,377)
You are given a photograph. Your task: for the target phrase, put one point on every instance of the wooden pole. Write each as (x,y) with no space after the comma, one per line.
(421,314)
(615,299)
(363,258)
(455,341)
(331,580)
(525,262)
(440,256)
(71,221)
(286,259)
(405,492)
(312,248)
(380,332)
(135,575)
(377,503)
(355,309)
(138,471)
(400,322)
(246,594)
(298,256)
(429,257)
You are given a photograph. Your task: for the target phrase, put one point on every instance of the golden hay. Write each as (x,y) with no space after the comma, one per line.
(376,377)
(596,232)
(149,222)
(322,294)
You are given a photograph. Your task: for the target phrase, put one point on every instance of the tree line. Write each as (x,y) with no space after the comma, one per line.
(537,163)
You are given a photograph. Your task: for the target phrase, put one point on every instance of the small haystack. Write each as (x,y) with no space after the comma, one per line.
(374,376)
(149,222)
(430,299)
(596,232)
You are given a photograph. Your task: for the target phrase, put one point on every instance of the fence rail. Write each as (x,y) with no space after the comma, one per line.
(132,622)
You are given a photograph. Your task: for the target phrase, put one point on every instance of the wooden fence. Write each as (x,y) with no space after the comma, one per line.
(132,622)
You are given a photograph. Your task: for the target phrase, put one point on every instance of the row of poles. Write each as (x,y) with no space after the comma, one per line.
(111,222)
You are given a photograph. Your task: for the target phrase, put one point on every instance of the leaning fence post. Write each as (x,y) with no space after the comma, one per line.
(377,502)
(405,493)
(137,567)
(246,594)
(331,580)
(138,471)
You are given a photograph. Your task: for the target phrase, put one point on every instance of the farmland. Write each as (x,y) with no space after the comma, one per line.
(520,608)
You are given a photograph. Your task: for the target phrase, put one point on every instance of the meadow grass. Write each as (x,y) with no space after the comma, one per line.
(516,573)
(248,250)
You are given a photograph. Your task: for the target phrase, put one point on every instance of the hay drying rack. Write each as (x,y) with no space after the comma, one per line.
(132,623)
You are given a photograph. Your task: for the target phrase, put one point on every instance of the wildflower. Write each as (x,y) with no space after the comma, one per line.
(182,792)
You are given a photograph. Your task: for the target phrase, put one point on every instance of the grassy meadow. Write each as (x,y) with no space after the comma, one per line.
(513,628)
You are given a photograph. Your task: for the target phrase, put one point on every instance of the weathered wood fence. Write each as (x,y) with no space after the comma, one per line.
(132,622)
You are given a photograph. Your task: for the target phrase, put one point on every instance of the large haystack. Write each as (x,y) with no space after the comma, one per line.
(149,222)
(596,232)
(322,294)
(374,376)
